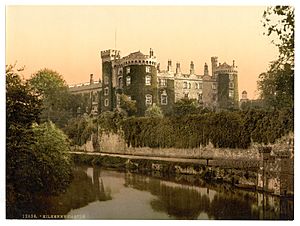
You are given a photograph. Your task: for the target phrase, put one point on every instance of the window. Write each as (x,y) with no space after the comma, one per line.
(230,77)
(148,99)
(200,86)
(106,80)
(106,102)
(200,97)
(185,85)
(186,95)
(164,99)
(231,85)
(196,85)
(148,80)
(163,82)
(120,82)
(231,93)
(148,69)
(118,100)
(106,91)
(128,80)
(214,86)
(190,85)
(127,70)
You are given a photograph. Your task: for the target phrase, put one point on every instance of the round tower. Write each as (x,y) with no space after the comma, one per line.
(140,79)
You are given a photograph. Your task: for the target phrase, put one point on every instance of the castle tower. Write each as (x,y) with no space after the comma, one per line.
(227,83)
(109,57)
(205,69)
(140,79)
(192,68)
(214,65)
(178,71)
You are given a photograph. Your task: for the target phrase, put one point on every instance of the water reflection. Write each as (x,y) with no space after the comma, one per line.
(104,194)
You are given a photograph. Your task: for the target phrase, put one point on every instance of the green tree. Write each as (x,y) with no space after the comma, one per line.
(23,107)
(36,162)
(186,106)
(59,105)
(276,86)
(154,111)
(129,106)
(53,163)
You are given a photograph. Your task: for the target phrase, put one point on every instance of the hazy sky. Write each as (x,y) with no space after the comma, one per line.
(69,39)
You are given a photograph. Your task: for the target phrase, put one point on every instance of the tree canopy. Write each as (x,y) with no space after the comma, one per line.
(59,105)
(276,86)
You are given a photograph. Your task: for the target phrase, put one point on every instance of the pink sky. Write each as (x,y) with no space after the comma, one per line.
(69,39)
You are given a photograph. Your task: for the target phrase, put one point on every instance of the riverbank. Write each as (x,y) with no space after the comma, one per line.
(243,176)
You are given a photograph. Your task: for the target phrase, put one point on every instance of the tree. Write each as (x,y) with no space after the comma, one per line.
(129,106)
(276,86)
(186,106)
(23,107)
(154,111)
(58,103)
(36,162)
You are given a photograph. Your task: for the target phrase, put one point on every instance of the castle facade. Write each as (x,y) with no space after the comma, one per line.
(140,78)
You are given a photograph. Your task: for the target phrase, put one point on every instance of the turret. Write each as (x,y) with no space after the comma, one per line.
(214,65)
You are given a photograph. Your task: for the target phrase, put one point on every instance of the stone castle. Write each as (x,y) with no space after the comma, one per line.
(140,78)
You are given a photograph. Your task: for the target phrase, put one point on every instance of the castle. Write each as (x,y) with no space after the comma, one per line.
(140,78)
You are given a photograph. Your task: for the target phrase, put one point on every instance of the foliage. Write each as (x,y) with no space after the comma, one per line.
(279,21)
(80,129)
(35,163)
(129,106)
(276,85)
(154,111)
(186,106)
(52,160)
(59,105)
(223,130)
(22,109)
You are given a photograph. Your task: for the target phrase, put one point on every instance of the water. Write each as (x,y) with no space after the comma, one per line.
(97,193)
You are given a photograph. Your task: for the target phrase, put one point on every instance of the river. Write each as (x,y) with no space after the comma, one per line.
(97,193)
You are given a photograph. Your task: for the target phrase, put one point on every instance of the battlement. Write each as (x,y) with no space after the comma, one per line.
(110,54)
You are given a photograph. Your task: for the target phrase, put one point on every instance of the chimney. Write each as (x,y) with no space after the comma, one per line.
(205,69)
(169,68)
(192,68)
(91,79)
(151,52)
(178,71)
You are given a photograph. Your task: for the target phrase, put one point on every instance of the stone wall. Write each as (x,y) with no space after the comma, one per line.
(113,143)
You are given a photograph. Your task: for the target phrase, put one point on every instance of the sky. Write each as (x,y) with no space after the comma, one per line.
(68,39)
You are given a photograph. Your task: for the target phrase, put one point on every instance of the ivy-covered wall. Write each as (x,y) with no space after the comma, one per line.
(223,130)
(137,89)
(106,72)
(169,89)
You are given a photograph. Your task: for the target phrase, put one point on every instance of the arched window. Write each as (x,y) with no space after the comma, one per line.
(148,99)
(164,98)
(148,80)
(120,81)
(128,80)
